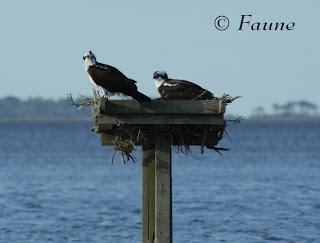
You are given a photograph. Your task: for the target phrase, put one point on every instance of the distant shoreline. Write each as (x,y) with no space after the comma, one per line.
(283,119)
(89,118)
(46,119)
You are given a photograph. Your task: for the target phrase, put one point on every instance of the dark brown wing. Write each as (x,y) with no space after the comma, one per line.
(115,81)
(174,89)
(111,78)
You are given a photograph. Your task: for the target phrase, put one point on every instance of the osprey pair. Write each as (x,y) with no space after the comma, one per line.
(113,82)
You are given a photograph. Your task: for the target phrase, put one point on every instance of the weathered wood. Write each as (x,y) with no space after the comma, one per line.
(152,198)
(211,139)
(163,187)
(161,119)
(222,105)
(148,196)
(145,194)
(160,107)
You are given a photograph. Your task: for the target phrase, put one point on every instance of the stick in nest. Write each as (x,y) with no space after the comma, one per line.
(125,146)
(237,120)
(204,139)
(200,95)
(217,149)
(79,106)
(229,98)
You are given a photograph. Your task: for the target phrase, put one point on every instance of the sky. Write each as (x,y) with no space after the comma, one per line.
(42,44)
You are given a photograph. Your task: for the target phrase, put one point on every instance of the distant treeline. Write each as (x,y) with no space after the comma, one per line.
(34,108)
(290,109)
(13,107)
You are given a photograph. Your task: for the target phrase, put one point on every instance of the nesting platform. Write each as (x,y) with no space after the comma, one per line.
(158,126)
(193,116)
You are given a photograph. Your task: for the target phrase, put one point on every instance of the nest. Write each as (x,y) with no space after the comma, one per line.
(128,137)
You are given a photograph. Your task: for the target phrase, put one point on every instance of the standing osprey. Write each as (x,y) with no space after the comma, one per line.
(110,80)
(174,89)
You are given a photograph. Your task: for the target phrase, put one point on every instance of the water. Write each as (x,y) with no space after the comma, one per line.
(56,185)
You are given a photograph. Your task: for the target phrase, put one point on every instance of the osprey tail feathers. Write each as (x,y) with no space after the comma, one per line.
(140,97)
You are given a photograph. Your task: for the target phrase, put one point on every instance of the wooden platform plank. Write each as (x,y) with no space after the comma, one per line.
(160,107)
(211,139)
(161,119)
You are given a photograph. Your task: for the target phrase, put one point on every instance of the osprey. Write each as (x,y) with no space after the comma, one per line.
(110,80)
(175,89)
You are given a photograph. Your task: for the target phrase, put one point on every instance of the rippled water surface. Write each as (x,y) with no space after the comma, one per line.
(57,185)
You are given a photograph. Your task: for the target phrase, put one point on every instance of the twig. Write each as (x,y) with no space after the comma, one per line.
(133,158)
(204,139)
(114,152)
(82,104)
(228,98)
(217,149)
(122,157)
(237,120)
(200,95)
(95,94)
(83,97)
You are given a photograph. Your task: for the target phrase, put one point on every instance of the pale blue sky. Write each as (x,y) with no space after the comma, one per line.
(42,45)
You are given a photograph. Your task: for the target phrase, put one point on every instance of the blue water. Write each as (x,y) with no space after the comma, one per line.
(57,185)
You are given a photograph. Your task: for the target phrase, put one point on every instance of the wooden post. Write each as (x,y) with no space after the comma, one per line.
(157,189)
(163,186)
(148,193)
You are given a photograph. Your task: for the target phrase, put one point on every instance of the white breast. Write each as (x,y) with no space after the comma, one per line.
(158,81)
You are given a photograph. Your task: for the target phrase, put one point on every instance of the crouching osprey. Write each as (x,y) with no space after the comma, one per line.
(175,89)
(110,80)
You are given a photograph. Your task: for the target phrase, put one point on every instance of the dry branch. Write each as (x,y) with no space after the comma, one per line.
(79,106)
(201,95)
(237,120)
(229,98)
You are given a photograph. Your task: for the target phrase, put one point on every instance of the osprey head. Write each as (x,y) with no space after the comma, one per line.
(159,77)
(89,59)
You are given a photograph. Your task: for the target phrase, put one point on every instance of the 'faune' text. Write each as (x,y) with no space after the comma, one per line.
(245,24)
